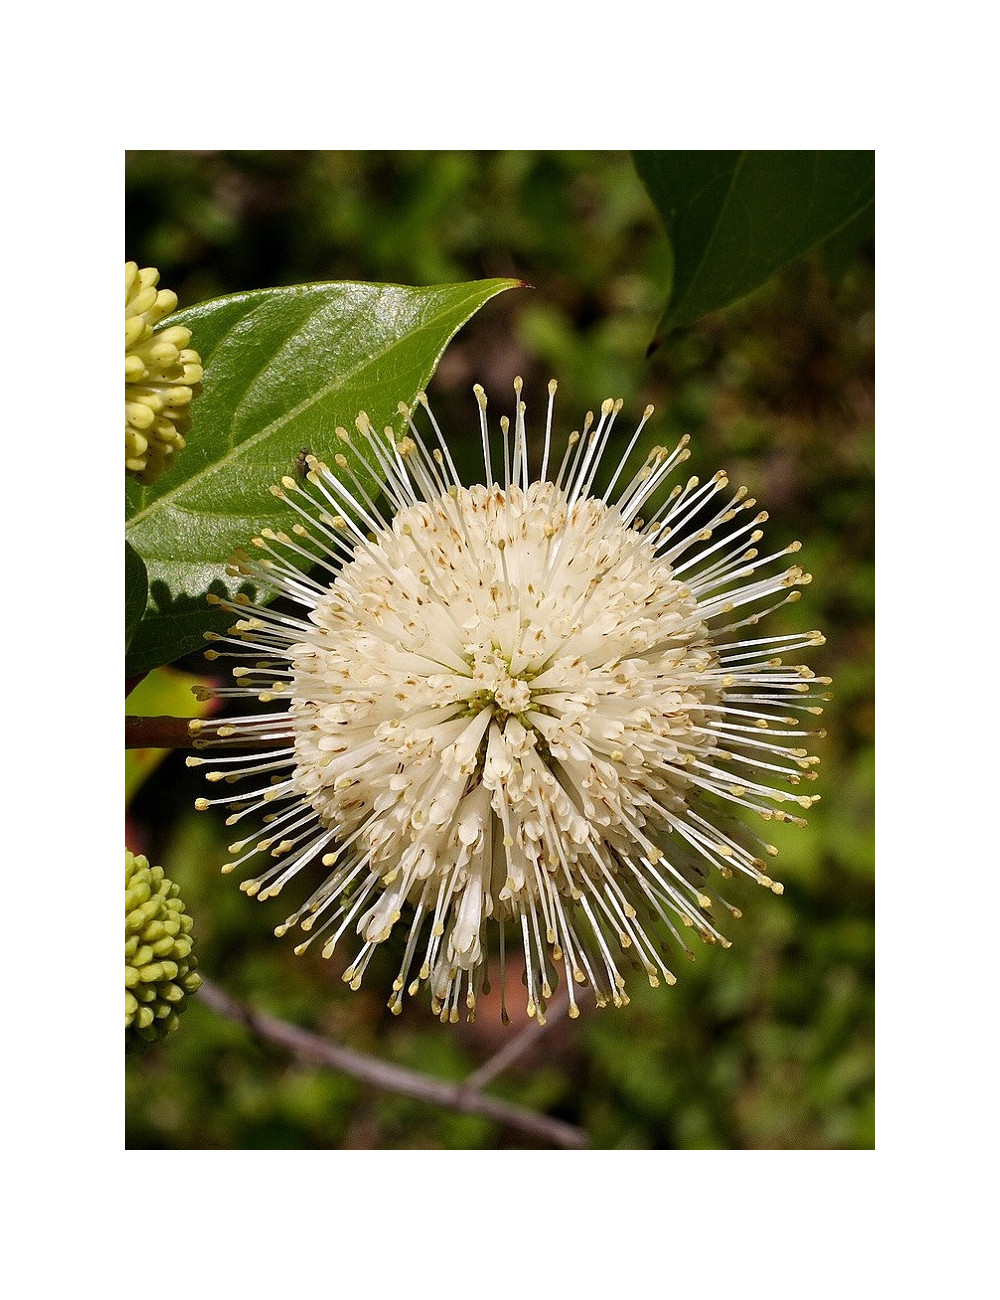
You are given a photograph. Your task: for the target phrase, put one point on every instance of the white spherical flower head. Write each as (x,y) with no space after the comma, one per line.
(515,710)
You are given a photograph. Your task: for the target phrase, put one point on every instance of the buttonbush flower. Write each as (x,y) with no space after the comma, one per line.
(160,374)
(159,964)
(513,712)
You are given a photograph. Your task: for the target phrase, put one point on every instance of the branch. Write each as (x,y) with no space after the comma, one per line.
(157,733)
(517,1046)
(164,732)
(317,1050)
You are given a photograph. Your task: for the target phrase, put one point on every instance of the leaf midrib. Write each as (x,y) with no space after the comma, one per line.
(674,310)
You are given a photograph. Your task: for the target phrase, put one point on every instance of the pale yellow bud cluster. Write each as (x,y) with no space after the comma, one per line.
(159,962)
(160,374)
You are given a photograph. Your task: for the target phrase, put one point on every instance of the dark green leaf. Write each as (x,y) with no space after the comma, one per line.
(733,218)
(135,592)
(840,251)
(283,368)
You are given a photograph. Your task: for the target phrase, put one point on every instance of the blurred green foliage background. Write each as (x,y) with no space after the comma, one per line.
(766,1045)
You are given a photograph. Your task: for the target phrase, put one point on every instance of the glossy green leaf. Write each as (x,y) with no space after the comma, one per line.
(283,368)
(733,218)
(136,588)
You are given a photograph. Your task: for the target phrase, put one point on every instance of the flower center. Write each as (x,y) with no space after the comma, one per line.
(493,685)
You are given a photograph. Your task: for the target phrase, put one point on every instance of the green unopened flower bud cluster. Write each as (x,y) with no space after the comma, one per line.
(159,963)
(160,374)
